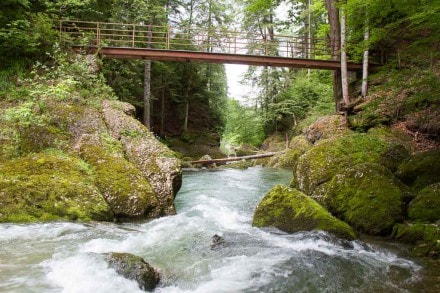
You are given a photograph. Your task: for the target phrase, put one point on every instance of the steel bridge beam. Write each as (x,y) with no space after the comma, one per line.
(207,57)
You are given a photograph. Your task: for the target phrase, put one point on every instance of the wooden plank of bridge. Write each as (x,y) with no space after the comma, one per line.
(232,159)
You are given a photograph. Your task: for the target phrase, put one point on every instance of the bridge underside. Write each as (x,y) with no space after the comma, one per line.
(207,57)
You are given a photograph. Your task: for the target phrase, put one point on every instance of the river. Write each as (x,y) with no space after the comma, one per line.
(66,256)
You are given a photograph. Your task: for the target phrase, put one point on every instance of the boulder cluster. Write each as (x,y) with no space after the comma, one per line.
(370,182)
(80,161)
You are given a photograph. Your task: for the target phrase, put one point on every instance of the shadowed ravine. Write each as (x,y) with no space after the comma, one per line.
(65,257)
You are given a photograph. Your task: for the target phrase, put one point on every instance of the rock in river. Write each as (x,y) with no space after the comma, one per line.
(134,268)
(292,211)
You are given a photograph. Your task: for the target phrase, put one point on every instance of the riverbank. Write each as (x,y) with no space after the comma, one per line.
(63,256)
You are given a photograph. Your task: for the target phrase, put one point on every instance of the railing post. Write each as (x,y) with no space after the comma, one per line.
(98,33)
(61,31)
(168,38)
(133,36)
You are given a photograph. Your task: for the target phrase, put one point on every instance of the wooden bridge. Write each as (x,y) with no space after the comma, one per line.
(121,40)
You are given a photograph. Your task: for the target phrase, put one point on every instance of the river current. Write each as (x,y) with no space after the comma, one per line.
(67,257)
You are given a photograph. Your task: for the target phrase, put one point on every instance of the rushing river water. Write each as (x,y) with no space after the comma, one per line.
(66,257)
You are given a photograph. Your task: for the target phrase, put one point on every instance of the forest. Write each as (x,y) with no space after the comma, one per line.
(106,175)
(190,100)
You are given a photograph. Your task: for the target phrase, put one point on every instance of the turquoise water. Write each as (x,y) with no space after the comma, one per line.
(66,257)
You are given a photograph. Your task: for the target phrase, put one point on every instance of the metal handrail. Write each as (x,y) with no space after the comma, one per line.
(110,34)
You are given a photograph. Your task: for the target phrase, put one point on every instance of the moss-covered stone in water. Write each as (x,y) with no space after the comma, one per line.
(291,211)
(366,196)
(49,186)
(421,170)
(155,161)
(424,237)
(426,206)
(134,268)
(124,188)
(328,158)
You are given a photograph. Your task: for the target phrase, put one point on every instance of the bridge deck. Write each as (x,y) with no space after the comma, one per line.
(119,40)
(205,57)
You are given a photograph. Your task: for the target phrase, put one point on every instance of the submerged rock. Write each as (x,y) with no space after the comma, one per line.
(134,268)
(292,211)
(217,241)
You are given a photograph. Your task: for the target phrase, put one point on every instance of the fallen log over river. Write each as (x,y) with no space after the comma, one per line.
(232,159)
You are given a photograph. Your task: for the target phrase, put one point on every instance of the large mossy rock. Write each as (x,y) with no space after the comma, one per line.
(425,238)
(123,186)
(292,211)
(420,170)
(321,163)
(327,127)
(426,205)
(158,164)
(366,196)
(298,145)
(134,268)
(49,186)
(131,174)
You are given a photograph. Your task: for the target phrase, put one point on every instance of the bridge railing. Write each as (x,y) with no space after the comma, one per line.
(190,39)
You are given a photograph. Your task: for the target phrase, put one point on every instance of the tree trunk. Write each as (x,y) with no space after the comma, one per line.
(147,93)
(162,112)
(335,35)
(344,71)
(185,123)
(364,89)
(147,80)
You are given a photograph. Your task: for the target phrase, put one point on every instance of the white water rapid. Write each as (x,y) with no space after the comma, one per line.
(66,257)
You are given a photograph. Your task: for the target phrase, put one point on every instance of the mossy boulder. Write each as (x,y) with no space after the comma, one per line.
(366,196)
(289,159)
(327,127)
(425,238)
(135,268)
(321,163)
(292,211)
(123,186)
(426,206)
(156,162)
(49,186)
(420,170)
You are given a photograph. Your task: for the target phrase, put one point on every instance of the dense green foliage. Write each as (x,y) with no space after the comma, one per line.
(243,125)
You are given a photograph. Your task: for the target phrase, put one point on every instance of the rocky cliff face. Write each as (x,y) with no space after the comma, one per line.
(79,160)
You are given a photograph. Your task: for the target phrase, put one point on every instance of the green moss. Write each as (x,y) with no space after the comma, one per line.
(421,170)
(125,189)
(426,206)
(326,159)
(424,237)
(297,147)
(291,211)
(366,196)
(49,186)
